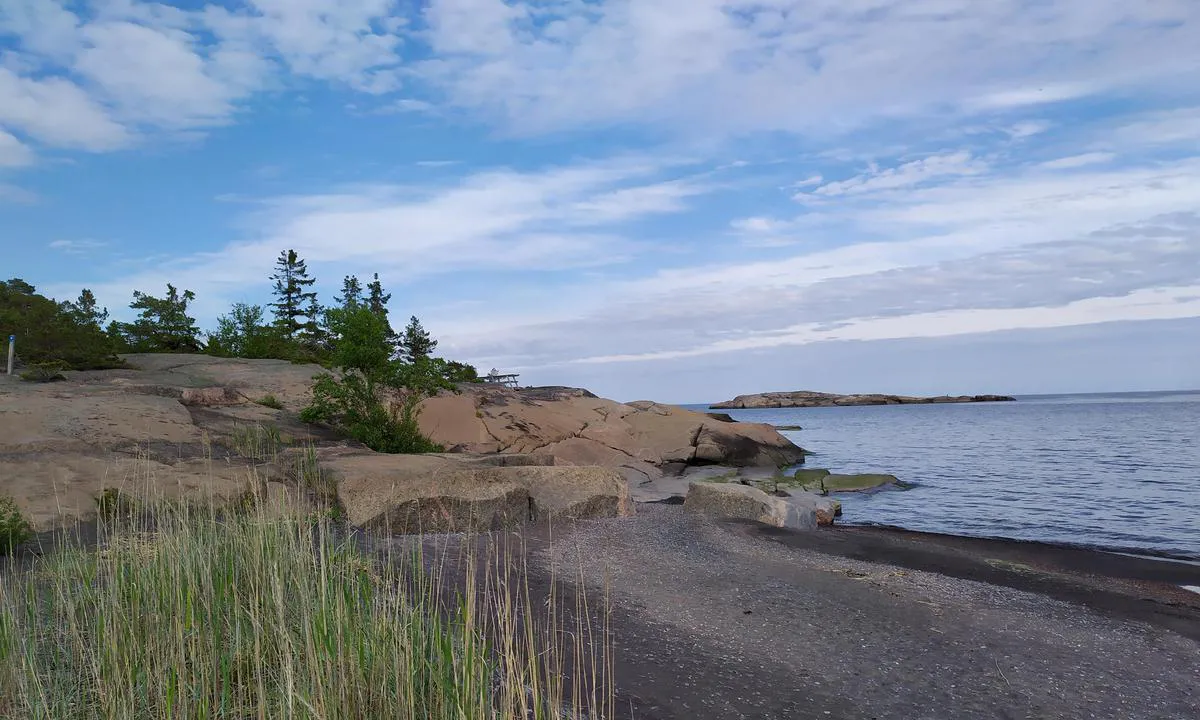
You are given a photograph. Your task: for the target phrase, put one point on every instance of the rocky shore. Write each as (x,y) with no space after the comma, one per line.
(809,398)
(700,560)
(194,426)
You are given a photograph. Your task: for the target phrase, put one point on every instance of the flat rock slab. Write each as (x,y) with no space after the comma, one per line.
(438,493)
(642,439)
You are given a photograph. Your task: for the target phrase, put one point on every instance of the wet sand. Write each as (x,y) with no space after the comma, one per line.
(735,620)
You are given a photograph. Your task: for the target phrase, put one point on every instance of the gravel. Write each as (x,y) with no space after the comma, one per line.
(711,620)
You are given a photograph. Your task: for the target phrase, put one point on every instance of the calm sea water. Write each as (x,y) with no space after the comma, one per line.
(1119,471)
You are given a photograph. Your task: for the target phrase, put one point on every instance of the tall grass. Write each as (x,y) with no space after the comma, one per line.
(273,615)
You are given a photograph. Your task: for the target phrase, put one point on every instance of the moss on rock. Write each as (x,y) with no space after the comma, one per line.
(857,483)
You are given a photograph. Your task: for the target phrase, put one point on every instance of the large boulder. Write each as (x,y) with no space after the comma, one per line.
(642,439)
(736,501)
(824,509)
(436,493)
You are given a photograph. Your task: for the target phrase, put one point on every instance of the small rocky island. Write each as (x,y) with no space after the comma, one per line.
(809,398)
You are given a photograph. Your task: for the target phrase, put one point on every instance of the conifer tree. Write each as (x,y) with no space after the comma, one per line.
(416,344)
(351,292)
(163,324)
(295,307)
(85,311)
(377,301)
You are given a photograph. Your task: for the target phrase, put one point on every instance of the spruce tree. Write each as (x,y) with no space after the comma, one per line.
(416,344)
(296,308)
(351,292)
(377,301)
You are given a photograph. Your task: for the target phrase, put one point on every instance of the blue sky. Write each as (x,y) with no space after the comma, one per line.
(675,199)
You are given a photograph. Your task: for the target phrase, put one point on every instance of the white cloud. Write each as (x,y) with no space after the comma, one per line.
(57,112)
(1077,161)
(561,218)
(759,224)
(1028,96)
(77,247)
(703,68)
(629,202)
(1181,125)
(13,153)
(148,66)
(355,42)
(1151,304)
(153,76)
(816,66)
(1027,240)
(408,105)
(1028,128)
(907,175)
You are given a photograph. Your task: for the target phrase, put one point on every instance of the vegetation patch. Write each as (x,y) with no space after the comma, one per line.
(820,480)
(114,503)
(270,401)
(14,528)
(857,483)
(242,616)
(44,372)
(47,330)
(1015,567)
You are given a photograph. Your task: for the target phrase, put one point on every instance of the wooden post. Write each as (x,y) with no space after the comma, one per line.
(12,341)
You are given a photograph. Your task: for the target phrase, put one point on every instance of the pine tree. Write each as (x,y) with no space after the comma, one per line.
(163,324)
(295,307)
(84,310)
(351,292)
(416,343)
(377,301)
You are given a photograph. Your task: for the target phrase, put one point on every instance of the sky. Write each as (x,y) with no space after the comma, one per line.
(680,200)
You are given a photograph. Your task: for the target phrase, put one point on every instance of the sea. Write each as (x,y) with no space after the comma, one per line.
(1118,472)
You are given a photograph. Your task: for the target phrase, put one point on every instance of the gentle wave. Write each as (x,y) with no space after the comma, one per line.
(1120,472)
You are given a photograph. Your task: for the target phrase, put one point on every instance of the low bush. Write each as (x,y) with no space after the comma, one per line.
(380,418)
(14,528)
(44,372)
(270,401)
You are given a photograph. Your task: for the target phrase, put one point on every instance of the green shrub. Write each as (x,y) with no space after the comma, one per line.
(14,528)
(113,504)
(270,401)
(44,372)
(354,405)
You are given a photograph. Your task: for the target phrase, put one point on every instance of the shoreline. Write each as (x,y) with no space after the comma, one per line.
(1132,552)
(1032,545)
(732,619)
